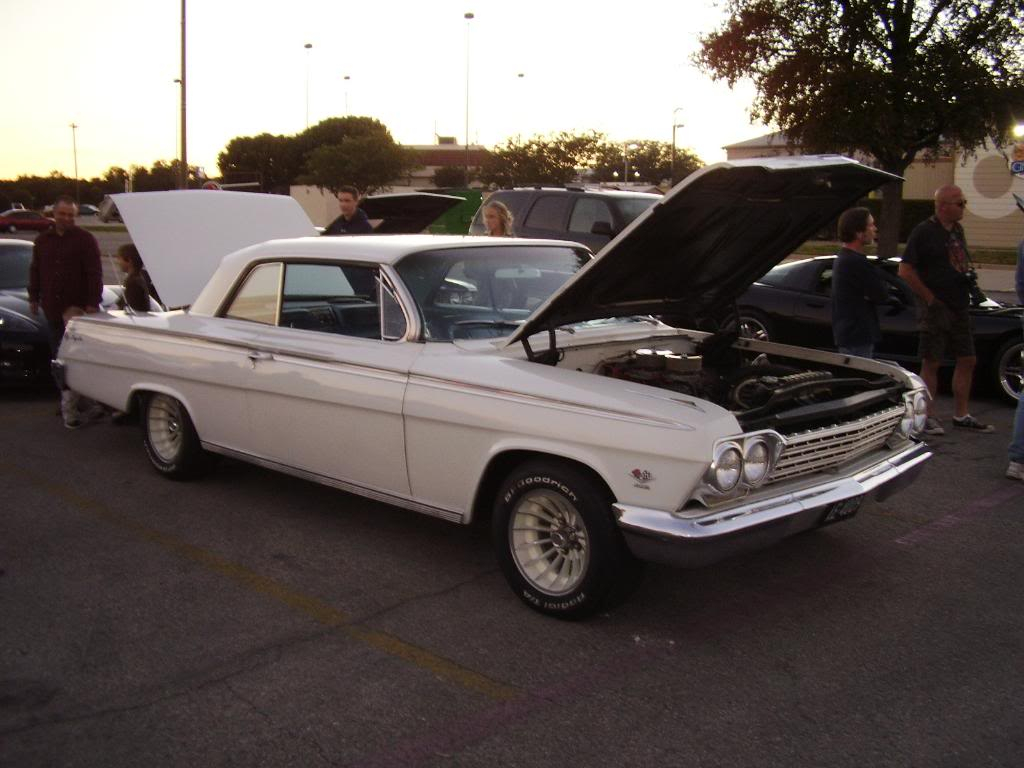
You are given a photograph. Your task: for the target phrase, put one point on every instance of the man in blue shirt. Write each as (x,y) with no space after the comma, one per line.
(857,287)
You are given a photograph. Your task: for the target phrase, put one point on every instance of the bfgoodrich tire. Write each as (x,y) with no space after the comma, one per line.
(171,441)
(557,543)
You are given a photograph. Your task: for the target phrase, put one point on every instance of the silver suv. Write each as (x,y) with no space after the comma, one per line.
(588,216)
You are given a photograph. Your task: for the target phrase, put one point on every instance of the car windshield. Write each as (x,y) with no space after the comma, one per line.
(14,264)
(631,207)
(486,291)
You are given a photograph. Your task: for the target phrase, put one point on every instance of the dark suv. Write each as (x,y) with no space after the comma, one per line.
(588,216)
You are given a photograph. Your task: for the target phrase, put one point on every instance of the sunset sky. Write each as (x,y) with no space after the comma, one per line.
(109,67)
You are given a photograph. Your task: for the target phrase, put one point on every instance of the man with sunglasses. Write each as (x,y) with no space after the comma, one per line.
(937,267)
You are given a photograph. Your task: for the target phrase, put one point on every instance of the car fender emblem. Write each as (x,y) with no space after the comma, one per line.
(643,478)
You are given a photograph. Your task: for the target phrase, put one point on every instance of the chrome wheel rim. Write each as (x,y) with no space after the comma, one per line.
(549,542)
(752,328)
(1011,371)
(163,423)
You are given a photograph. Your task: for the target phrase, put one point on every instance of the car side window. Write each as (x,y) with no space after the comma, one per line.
(257,299)
(332,298)
(548,212)
(586,212)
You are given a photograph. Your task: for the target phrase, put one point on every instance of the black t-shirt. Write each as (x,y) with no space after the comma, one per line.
(358,225)
(857,286)
(940,257)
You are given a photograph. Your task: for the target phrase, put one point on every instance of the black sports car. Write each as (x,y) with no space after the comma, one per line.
(24,340)
(792,304)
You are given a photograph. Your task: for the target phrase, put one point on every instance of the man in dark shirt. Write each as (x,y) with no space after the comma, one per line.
(353,220)
(65,279)
(936,266)
(856,287)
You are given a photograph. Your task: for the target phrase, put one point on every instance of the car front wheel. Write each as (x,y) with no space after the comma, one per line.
(557,543)
(754,325)
(171,441)
(1008,369)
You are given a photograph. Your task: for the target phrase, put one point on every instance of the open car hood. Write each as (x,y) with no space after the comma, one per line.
(406,212)
(182,235)
(708,239)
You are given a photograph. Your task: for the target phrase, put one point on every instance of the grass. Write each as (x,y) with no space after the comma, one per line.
(981,256)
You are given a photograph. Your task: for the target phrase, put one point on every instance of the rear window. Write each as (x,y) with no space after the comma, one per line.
(631,207)
(14,264)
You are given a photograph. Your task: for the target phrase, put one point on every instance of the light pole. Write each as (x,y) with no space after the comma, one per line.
(625,160)
(468,16)
(183,170)
(177,128)
(74,151)
(346,78)
(672,168)
(307,46)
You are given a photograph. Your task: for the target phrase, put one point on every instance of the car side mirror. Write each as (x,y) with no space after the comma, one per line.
(602,228)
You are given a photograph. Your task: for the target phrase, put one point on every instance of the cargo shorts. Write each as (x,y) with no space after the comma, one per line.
(945,332)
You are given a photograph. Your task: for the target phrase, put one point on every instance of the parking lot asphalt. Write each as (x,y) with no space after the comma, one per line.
(253,619)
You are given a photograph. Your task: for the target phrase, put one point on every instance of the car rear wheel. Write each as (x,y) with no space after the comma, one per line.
(1008,369)
(171,441)
(557,543)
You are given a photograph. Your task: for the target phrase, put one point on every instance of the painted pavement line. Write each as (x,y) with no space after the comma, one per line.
(311,607)
(996,498)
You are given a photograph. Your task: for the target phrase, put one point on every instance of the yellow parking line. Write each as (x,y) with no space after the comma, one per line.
(312,607)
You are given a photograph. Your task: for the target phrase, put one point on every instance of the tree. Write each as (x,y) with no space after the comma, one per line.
(275,160)
(896,80)
(555,159)
(366,162)
(649,161)
(449,176)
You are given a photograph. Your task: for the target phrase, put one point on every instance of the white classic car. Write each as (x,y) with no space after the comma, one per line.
(521,380)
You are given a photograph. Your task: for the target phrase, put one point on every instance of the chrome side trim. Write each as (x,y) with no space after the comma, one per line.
(370,493)
(276,351)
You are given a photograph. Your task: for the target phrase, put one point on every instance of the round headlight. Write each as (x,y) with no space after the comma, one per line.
(756,461)
(727,469)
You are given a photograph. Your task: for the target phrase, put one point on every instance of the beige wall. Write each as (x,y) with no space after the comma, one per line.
(992,218)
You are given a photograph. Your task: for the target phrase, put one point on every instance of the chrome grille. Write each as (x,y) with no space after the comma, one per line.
(821,449)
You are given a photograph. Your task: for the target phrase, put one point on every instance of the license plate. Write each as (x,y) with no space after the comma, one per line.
(841,510)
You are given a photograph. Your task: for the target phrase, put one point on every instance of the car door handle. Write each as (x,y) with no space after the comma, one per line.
(255,356)
(815,304)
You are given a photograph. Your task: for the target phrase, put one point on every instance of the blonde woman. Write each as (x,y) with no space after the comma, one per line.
(498,220)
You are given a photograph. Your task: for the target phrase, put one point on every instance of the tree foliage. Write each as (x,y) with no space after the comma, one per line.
(897,80)
(38,191)
(564,157)
(334,152)
(649,161)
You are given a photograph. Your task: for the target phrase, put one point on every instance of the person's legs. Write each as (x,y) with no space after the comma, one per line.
(963,377)
(930,374)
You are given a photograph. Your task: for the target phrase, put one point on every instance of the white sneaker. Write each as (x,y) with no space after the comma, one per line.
(1016,470)
(933,426)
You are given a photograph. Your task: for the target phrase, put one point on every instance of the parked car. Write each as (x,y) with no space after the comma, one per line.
(792,304)
(17,219)
(589,216)
(516,379)
(24,337)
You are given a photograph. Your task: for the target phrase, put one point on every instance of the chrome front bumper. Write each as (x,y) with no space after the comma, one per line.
(691,542)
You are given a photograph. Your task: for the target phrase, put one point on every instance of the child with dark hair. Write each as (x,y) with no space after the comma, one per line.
(136,287)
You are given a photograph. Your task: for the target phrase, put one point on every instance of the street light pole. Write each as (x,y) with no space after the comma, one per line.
(307,46)
(468,16)
(672,169)
(625,160)
(74,151)
(183,170)
(346,78)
